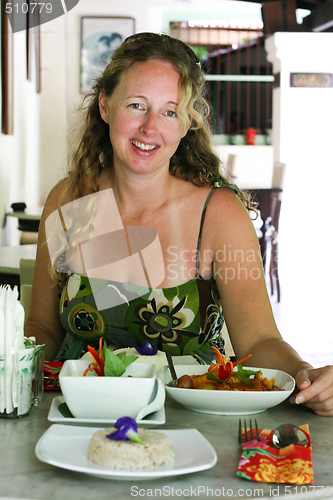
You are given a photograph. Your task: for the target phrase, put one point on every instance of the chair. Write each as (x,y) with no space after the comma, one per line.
(25,299)
(279,171)
(272,237)
(272,226)
(231,166)
(27,267)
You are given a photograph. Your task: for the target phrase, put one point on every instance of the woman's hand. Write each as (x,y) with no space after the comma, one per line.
(316,390)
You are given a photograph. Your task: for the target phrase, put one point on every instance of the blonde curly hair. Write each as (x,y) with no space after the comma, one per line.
(194,160)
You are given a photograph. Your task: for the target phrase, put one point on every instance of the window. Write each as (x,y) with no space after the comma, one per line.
(239,77)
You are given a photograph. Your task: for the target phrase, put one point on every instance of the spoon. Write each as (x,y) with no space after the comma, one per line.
(287,434)
(156,403)
(172,369)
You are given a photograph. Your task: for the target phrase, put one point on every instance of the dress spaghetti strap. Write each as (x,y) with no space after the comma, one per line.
(217,184)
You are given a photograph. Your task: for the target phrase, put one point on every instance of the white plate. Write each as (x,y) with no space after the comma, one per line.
(227,402)
(67,447)
(156,418)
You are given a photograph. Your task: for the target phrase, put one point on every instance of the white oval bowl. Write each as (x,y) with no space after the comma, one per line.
(227,402)
(106,397)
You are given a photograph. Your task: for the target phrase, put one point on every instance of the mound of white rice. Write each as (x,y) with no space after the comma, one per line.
(115,454)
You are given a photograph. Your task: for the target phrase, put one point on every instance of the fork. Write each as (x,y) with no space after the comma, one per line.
(254,433)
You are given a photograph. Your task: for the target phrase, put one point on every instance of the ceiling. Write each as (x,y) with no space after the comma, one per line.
(321,17)
(301,4)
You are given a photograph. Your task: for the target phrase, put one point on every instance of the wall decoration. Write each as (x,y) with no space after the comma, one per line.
(33,45)
(100,36)
(37,56)
(6,73)
(313,80)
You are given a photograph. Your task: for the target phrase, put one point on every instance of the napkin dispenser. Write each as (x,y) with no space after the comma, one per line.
(17,357)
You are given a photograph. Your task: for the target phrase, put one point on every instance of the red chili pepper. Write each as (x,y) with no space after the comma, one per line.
(99,361)
(241,360)
(224,368)
(225,371)
(101,354)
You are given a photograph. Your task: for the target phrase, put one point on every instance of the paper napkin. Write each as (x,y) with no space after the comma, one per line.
(16,360)
(262,462)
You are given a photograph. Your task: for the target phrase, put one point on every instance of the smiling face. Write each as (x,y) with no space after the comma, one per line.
(142,115)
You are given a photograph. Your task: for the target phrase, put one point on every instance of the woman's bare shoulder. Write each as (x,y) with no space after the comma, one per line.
(225,215)
(224,201)
(59,195)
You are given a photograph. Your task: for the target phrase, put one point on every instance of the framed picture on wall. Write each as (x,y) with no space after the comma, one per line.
(6,56)
(100,36)
(33,46)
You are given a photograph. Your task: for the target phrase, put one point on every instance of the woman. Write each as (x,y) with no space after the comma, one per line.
(146,138)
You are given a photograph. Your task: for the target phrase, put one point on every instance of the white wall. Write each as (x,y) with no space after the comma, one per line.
(19,152)
(53,114)
(35,157)
(149,15)
(302,138)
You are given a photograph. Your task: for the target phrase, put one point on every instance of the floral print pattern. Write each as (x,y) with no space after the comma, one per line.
(86,321)
(164,322)
(214,318)
(183,320)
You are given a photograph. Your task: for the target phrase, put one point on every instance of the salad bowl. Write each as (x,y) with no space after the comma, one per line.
(94,397)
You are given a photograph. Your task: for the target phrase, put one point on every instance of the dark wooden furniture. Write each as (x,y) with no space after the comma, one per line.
(269,204)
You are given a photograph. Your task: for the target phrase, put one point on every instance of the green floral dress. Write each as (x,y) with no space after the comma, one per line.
(183,319)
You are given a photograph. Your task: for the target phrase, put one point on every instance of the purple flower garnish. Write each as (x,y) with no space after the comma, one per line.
(127,430)
(146,349)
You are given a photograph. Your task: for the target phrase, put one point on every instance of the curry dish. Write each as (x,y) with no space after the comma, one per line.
(233,383)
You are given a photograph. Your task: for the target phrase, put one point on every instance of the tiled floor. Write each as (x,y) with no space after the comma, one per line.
(304,317)
(304,321)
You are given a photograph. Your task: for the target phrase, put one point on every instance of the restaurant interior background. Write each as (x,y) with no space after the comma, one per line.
(33,158)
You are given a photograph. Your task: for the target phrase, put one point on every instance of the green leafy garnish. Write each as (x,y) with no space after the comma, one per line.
(106,363)
(211,376)
(65,411)
(244,374)
(116,364)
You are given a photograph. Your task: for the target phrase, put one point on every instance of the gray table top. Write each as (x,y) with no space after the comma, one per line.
(23,476)
(28,214)
(10,257)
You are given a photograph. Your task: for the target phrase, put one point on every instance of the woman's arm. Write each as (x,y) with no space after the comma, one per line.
(43,321)
(249,318)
